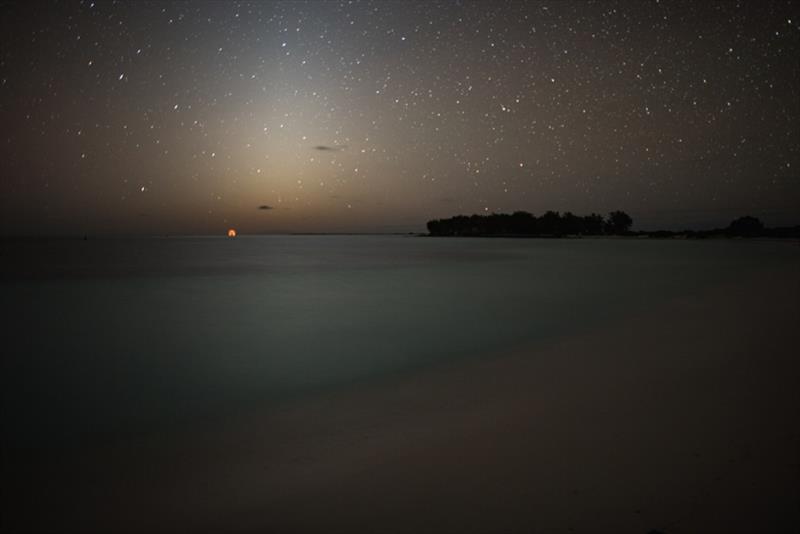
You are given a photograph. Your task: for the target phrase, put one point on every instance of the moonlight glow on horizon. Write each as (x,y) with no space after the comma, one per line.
(154,117)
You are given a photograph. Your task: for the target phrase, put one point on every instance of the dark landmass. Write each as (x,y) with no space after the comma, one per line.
(746,226)
(617,223)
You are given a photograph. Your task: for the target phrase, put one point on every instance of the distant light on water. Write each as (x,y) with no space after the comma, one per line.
(231,232)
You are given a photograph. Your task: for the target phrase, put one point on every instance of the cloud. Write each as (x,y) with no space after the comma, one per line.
(265,207)
(330,148)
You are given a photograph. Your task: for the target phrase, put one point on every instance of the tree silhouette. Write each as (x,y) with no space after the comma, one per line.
(618,223)
(522,223)
(553,224)
(745,226)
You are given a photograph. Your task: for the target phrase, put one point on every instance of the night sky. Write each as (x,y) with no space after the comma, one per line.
(181,118)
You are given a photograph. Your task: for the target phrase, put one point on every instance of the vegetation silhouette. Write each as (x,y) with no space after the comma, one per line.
(554,224)
(522,223)
(746,226)
(618,223)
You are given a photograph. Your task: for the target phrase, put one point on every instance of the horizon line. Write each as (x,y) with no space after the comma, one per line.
(221,235)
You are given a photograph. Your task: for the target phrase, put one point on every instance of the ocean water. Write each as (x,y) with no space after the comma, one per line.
(104,339)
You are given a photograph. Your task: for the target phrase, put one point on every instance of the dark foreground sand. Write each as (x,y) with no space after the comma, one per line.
(681,420)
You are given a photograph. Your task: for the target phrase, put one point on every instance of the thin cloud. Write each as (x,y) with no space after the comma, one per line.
(326,148)
(265,207)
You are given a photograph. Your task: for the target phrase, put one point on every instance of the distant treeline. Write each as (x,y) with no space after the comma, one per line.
(522,223)
(555,224)
(746,226)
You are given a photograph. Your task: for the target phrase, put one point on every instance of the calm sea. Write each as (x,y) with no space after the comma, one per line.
(107,338)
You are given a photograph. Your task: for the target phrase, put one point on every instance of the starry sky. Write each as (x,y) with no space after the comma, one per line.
(190,118)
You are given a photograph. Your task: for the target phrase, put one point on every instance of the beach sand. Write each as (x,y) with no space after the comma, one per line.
(682,419)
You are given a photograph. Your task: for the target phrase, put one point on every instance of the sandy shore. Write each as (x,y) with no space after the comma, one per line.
(680,420)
